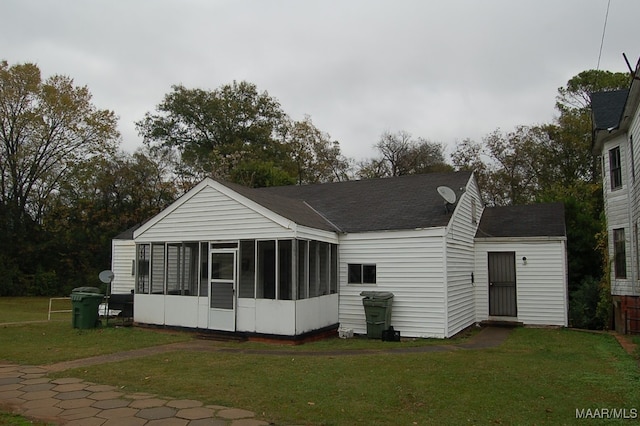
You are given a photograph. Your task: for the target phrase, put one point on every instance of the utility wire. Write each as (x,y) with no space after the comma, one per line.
(604,30)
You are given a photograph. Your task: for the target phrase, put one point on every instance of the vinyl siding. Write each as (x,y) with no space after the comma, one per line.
(541,284)
(123,254)
(622,211)
(460,258)
(410,265)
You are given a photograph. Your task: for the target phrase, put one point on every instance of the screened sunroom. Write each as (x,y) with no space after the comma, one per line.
(282,287)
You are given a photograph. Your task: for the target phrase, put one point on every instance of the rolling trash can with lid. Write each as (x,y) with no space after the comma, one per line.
(85,302)
(377,310)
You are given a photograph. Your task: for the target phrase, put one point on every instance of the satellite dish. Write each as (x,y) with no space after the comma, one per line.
(106,276)
(448,194)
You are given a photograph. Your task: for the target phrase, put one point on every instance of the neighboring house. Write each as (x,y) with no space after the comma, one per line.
(616,123)
(293,260)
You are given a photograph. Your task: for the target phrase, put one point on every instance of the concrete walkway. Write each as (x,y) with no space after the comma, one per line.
(27,390)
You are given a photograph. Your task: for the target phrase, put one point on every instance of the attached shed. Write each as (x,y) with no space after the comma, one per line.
(521,265)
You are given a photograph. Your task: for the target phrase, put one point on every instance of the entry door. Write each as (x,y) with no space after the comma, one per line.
(502,284)
(222,286)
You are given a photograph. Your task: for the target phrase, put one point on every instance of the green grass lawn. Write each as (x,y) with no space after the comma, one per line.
(18,309)
(537,377)
(56,340)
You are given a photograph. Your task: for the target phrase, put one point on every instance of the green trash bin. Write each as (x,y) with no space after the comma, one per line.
(377,310)
(84,303)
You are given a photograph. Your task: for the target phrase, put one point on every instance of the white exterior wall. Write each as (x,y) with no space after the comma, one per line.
(123,255)
(410,264)
(622,210)
(460,260)
(541,284)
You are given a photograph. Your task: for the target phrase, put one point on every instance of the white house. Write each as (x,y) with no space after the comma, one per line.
(615,123)
(293,260)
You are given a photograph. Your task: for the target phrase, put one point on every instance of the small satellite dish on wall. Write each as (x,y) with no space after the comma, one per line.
(106,276)
(448,194)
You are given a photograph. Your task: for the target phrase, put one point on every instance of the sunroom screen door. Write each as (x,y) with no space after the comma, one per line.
(222,279)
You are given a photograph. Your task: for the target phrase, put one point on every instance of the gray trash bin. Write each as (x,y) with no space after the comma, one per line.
(377,310)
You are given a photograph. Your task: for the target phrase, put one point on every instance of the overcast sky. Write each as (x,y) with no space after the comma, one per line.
(442,70)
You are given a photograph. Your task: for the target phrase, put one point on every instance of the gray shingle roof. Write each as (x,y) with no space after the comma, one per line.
(607,108)
(405,202)
(291,208)
(533,220)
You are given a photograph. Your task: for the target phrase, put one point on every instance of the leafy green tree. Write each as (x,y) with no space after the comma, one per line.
(400,155)
(46,126)
(101,198)
(214,132)
(317,159)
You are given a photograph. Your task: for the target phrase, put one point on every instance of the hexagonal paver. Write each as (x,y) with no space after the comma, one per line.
(39,403)
(129,421)
(111,403)
(168,422)
(36,381)
(234,413)
(196,413)
(45,412)
(33,370)
(33,376)
(117,413)
(10,387)
(63,396)
(10,380)
(66,381)
(99,396)
(156,413)
(205,422)
(38,395)
(148,403)
(38,387)
(75,403)
(70,387)
(184,403)
(79,413)
(91,421)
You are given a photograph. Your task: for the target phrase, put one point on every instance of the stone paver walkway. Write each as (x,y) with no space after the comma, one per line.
(27,391)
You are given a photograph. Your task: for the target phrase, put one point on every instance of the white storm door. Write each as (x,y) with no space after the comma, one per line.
(222,289)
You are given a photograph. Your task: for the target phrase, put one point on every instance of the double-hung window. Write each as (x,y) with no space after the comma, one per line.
(615,168)
(619,254)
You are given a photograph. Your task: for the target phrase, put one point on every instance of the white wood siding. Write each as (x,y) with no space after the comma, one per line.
(621,210)
(410,264)
(460,261)
(123,254)
(541,284)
